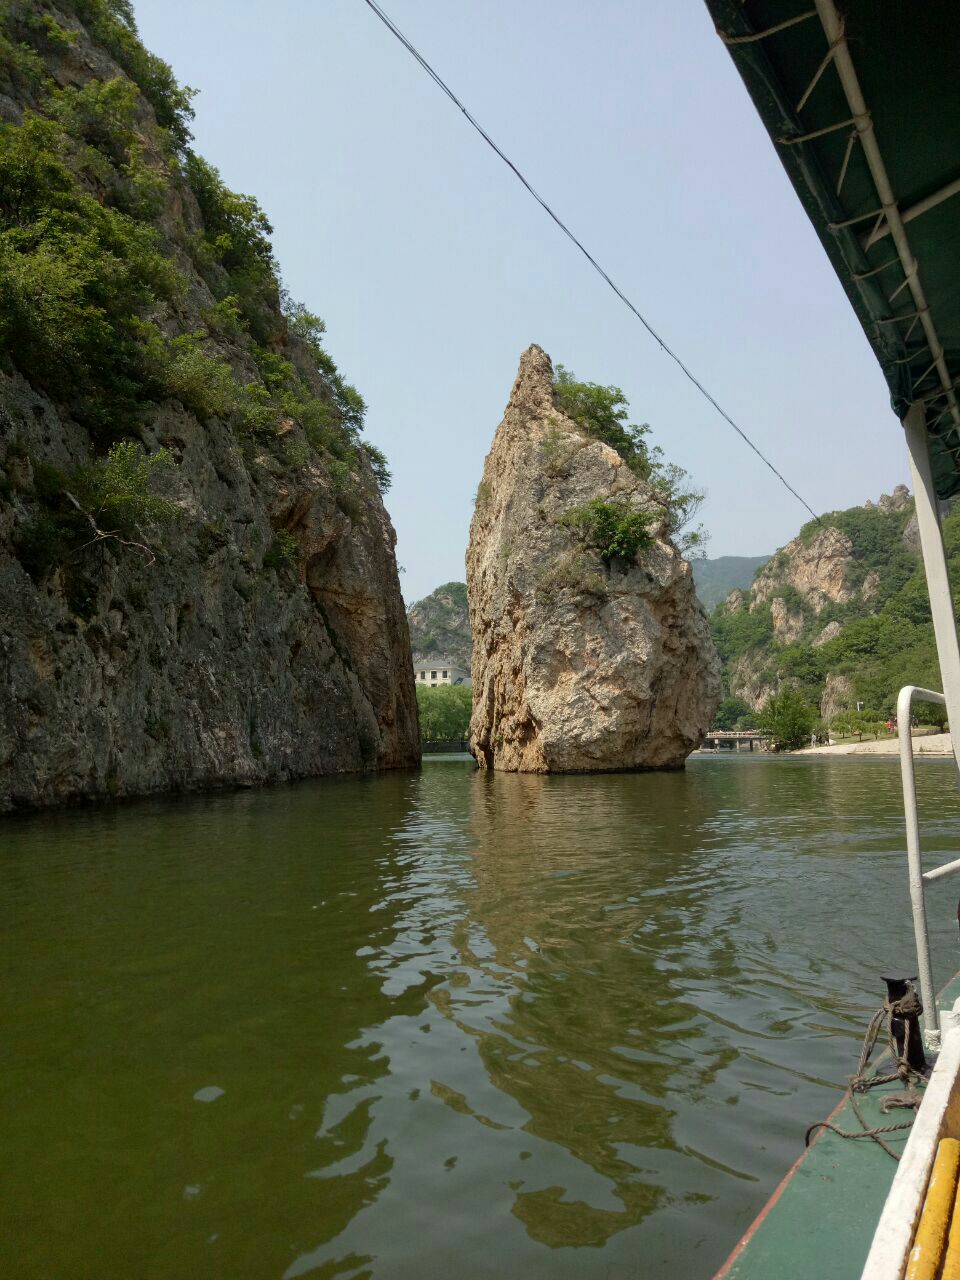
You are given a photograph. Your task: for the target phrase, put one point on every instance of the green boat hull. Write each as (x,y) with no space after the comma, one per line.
(821,1218)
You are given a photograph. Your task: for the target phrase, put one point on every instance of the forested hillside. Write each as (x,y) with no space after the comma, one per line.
(197,576)
(716,578)
(440,625)
(841,614)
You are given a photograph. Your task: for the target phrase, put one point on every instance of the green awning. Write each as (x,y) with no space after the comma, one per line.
(863,107)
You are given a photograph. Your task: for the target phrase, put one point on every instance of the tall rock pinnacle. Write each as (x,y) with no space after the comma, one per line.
(583,660)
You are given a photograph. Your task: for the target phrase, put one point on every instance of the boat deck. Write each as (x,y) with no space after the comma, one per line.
(821,1219)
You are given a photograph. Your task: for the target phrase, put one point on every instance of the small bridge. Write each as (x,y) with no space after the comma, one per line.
(734,739)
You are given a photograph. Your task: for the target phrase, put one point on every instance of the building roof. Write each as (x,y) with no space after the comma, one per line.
(864,110)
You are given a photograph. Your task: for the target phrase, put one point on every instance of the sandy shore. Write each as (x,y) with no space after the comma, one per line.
(931,744)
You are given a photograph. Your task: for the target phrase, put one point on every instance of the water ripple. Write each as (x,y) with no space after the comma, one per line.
(461,1023)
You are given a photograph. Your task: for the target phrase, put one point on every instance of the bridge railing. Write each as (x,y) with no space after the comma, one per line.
(441,746)
(736,732)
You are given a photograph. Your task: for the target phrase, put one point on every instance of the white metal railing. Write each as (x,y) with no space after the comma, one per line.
(918,877)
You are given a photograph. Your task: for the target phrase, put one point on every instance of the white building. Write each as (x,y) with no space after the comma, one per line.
(434,671)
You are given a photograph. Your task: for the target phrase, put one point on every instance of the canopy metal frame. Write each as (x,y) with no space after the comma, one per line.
(839,53)
(806,94)
(803,125)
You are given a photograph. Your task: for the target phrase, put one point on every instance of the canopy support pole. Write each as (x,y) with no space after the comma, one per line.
(935,567)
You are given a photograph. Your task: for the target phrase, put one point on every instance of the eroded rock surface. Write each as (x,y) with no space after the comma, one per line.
(577,665)
(806,595)
(260,634)
(836,696)
(829,632)
(752,681)
(896,501)
(787,622)
(440,626)
(816,569)
(216,664)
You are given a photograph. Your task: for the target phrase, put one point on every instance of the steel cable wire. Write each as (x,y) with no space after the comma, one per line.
(441,84)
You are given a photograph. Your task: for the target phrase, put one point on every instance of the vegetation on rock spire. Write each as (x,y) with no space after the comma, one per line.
(603,413)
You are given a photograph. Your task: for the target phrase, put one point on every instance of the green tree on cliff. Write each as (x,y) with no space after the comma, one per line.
(603,413)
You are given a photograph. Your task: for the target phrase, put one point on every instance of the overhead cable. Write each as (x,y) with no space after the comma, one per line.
(441,84)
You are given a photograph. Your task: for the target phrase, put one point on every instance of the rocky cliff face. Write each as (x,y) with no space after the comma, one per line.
(241,622)
(440,626)
(579,664)
(816,570)
(832,605)
(837,695)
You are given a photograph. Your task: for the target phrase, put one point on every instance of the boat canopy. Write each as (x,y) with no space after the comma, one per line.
(863,108)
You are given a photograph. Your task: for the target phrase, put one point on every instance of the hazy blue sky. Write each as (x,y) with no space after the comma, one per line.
(434,269)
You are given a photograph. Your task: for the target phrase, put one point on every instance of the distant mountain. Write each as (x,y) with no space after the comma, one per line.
(440,625)
(715,579)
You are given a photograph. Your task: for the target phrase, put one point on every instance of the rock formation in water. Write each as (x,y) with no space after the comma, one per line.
(580,662)
(198,584)
(440,622)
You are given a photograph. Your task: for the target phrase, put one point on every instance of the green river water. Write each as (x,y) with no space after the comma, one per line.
(440,1024)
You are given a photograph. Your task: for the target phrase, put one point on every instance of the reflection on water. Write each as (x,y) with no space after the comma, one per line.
(440,1023)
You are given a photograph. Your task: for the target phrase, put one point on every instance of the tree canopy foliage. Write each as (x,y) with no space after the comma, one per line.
(614,529)
(789,719)
(444,711)
(733,713)
(117,499)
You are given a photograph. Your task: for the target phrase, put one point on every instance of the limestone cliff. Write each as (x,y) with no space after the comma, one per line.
(816,570)
(440,626)
(840,612)
(234,615)
(581,662)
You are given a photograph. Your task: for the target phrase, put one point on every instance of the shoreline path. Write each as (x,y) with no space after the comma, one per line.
(931,744)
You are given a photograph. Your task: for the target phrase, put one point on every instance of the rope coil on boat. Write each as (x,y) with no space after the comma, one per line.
(907,1006)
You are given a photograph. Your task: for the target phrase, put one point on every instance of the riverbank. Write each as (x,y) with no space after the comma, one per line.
(931,744)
